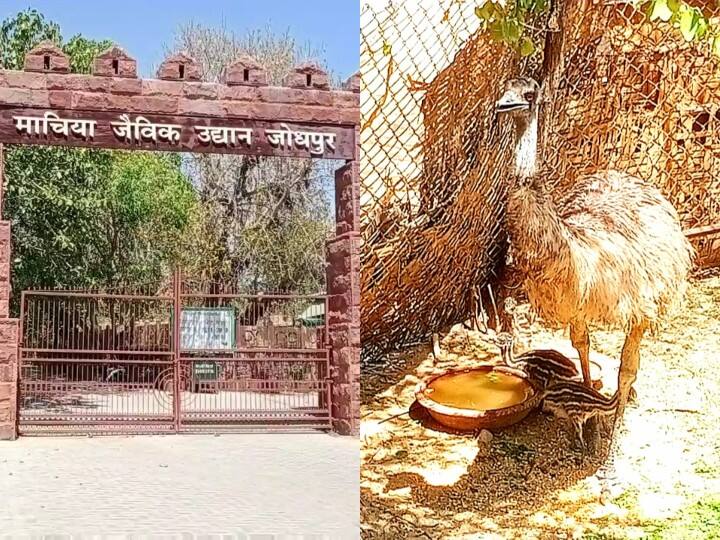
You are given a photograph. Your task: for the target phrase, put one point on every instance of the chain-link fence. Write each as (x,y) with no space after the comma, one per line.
(632,95)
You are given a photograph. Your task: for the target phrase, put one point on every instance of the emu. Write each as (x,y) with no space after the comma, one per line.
(610,251)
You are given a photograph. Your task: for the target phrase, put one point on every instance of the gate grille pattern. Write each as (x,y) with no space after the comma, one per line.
(95,362)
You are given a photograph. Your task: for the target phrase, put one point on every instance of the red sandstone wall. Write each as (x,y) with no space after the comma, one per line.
(343,318)
(8,343)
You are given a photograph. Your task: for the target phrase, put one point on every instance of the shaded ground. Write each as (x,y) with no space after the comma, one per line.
(528,482)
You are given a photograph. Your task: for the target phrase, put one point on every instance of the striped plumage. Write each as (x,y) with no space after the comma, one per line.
(542,366)
(577,403)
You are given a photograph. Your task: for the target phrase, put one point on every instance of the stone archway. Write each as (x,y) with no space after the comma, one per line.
(44,104)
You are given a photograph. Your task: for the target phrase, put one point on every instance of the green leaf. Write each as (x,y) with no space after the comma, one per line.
(540,6)
(486,11)
(659,9)
(688,24)
(526,46)
(496,29)
(716,45)
(702,27)
(511,31)
(525,5)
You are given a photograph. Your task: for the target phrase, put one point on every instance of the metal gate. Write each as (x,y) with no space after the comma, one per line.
(196,357)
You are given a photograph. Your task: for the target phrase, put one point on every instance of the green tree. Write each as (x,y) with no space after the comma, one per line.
(267,218)
(509,21)
(21,33)
(84,217)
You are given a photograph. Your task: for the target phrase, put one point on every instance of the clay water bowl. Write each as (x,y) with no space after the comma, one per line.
(485,397)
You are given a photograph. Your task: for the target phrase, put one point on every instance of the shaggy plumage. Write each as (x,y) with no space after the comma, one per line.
(610,252)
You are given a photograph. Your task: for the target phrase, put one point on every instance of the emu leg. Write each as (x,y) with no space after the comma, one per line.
(580,339)
(629,364)
(436,346)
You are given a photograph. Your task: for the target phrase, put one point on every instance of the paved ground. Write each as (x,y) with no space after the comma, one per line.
(239,485)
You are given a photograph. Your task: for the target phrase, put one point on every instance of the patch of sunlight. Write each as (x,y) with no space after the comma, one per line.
(400,493)
(582,492)
(474,536)
(610,510)
(378,425)
(659,505)
(451,465)
(370,428)
(407,385)
(448,476)
(544,520)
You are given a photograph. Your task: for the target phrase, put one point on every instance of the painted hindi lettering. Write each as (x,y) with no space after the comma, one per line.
(226,136)
(39,125)
(313,141)
(143,129)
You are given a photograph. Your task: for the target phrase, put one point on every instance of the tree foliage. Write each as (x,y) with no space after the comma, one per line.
(83,217)
(21,33)
(89,218)
(97,217)
(507,21)
(267,219)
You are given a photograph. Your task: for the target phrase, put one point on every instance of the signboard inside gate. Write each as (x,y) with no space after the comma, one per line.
(207,328)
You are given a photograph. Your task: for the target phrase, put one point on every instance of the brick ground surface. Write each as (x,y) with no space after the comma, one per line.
(181,486)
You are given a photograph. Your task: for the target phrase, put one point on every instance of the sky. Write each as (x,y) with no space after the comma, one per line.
(144,27)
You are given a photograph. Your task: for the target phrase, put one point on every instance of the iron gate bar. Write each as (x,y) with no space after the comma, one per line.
(99,351)
(177,315)
(97,362)
(77,294)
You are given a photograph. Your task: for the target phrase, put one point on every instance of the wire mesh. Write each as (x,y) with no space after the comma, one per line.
(632,95)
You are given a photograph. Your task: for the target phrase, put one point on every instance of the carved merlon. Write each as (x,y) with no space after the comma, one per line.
(308,75)
(179,67)
(47,57)
(245,71)
(352,84)
(115,62)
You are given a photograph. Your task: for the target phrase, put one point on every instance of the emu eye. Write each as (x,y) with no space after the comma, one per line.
(529,96)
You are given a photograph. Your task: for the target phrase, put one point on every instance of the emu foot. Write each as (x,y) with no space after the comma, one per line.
(610,486)
(591,434)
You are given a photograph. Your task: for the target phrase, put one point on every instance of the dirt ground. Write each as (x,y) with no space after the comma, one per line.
(418,481)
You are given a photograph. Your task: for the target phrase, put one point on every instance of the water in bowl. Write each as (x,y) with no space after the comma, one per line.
(479,390)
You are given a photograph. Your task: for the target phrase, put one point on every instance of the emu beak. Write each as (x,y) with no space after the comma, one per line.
(511,101)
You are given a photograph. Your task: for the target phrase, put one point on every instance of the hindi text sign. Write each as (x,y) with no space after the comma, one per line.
(104,129)
(207,329)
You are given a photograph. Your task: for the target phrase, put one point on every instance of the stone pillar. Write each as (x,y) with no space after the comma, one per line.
(343,317)
(8,344)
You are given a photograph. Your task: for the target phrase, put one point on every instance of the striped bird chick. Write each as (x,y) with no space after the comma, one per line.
(543,366)
(577,403)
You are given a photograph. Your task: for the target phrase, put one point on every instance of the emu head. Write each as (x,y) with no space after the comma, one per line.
(520,99)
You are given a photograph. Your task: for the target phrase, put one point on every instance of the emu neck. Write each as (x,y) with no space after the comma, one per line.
(537,233)
(526,137)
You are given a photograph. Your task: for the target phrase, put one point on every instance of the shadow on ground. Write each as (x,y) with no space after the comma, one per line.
(418,481)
